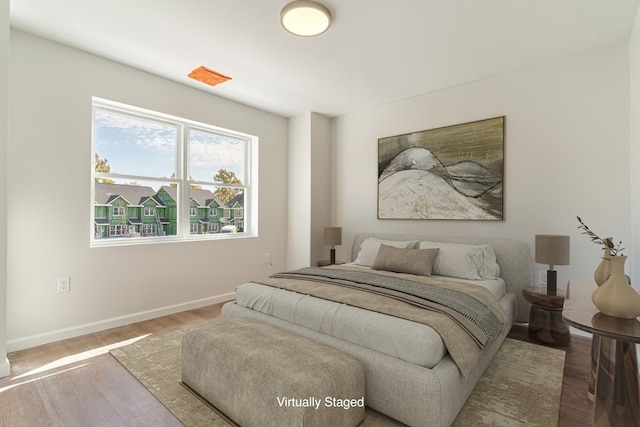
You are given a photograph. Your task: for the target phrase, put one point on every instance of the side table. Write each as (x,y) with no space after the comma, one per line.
(617,384)
(545,317)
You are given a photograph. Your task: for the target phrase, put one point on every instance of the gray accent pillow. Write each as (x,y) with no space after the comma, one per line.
(402,260)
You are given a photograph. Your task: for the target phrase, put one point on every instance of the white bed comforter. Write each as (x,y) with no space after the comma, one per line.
(409,341)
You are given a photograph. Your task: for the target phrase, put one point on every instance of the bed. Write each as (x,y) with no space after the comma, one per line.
(420,367)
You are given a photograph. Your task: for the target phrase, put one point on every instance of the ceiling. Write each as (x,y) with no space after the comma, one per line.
(375,52)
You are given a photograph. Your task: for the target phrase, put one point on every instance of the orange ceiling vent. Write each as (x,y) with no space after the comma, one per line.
(208,76)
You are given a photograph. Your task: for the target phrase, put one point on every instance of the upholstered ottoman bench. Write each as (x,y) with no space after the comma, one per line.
(260,375)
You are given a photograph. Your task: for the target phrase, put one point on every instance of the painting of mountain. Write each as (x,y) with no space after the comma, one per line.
(454,172)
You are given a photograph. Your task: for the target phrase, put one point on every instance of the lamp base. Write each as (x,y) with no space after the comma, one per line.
(332,257)
(552,285)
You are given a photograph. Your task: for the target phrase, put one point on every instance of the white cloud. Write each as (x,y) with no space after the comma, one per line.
(148,135)
(215,151)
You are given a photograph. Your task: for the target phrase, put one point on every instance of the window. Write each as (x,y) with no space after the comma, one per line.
(116,230)
(162,178)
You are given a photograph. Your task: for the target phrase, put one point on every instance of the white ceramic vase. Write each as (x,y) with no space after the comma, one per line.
(616,297)
(604,269)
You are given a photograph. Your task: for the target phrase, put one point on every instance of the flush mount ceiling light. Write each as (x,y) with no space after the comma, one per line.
(305,18)
(208,76)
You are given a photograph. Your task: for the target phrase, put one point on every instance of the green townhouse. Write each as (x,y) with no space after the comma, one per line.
(126,210)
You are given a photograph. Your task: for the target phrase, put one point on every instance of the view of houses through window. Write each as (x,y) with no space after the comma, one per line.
(157,176)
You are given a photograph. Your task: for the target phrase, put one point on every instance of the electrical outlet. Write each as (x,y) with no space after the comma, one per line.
(267,258)
(543,278)
(64,284)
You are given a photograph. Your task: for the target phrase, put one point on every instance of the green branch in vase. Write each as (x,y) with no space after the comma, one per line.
(615,249)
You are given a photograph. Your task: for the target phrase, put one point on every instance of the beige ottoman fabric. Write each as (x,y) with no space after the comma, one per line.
(260,375)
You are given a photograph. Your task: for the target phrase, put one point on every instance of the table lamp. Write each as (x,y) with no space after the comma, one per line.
(553,250)
(333,237)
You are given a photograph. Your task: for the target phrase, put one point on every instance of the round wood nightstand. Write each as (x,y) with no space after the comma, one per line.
(546,325)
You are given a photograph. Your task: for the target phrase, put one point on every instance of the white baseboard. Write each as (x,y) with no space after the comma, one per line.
(75,331)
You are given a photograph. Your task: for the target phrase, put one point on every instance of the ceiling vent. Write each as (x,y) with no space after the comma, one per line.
(208,76)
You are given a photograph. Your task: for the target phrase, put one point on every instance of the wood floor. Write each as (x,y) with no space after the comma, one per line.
(77,383)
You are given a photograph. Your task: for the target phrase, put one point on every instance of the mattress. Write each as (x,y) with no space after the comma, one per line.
(412,342)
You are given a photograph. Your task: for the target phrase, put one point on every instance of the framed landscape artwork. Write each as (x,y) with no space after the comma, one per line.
(454,172)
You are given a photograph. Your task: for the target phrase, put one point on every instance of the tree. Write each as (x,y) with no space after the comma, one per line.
(193,186)
(103,166)
(225,194)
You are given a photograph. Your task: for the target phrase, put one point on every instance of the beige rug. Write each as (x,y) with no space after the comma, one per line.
(521,386)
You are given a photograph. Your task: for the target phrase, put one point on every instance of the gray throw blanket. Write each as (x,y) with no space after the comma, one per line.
(466,316)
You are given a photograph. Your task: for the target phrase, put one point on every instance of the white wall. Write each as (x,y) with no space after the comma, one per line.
(566,154)
(4,119)
(48,198)
(299,192)
(320,186)
(634,138)
(309,189)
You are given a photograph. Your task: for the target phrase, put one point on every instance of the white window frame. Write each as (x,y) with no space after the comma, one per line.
(149,211)
(249,186)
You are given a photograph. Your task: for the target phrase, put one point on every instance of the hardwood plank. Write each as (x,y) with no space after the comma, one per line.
(96,390)
(72,399)
(131,403)
(20,404)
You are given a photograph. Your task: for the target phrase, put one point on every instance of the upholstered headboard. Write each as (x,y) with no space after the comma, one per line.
(513,257)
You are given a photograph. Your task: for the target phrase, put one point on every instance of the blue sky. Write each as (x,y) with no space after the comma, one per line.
(142,147)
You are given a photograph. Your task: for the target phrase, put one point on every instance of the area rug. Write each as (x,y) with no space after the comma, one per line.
(521,386)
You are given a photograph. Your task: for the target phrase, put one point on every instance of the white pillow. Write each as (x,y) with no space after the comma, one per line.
(464,261)
(491,268)
(369,249)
